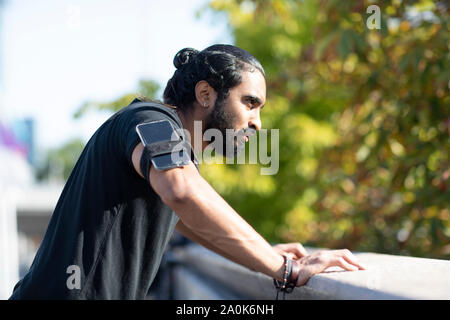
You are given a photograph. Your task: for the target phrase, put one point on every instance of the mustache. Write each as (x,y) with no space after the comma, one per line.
(247,132)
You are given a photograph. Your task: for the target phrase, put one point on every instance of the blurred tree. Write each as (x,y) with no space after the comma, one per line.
(364,123)
(59,162)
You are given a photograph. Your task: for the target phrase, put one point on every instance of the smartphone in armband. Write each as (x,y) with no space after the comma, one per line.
(160,131)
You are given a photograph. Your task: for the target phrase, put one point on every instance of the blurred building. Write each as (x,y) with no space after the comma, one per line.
(15,172)
(15,175)
(25,207)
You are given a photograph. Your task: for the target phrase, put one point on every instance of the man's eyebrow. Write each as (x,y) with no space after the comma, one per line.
(255,98)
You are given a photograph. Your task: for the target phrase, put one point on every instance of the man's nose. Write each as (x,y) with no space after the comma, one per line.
(255,121)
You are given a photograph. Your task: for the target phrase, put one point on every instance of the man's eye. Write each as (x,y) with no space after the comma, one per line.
(251,102)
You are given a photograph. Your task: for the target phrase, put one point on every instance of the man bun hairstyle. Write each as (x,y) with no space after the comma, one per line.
(221,65)
(184,56)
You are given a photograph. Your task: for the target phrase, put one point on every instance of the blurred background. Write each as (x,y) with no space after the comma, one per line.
(363,111)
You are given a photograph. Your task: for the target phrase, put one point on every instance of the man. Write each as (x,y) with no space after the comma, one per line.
(116,213)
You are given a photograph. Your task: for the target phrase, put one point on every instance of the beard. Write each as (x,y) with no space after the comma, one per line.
(222,120)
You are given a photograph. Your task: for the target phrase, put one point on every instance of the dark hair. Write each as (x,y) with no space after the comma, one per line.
(221,65)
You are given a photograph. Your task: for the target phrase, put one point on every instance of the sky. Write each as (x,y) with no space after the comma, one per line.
(58,54)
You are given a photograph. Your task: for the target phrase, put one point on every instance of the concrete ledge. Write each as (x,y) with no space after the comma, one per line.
(388,277)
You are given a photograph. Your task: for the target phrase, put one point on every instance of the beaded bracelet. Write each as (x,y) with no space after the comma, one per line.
(288,284)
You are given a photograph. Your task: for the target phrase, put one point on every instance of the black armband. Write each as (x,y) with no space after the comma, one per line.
(163,147)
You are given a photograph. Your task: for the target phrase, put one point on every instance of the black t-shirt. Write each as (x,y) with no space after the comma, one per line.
(109,224)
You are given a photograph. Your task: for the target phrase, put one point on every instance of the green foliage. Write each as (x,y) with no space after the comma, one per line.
(364,123)
(59,162)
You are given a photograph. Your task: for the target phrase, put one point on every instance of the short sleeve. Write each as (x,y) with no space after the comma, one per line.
(133,116)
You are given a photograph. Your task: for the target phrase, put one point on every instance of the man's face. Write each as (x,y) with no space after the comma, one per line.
(240,111)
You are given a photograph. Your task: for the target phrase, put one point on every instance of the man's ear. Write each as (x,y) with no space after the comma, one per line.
(205,95)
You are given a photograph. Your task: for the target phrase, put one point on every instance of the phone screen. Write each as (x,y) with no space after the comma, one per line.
(161,131)
(156,131)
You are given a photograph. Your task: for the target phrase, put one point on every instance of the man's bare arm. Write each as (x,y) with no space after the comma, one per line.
(207,215)
(203,211)
(293,250)
(185,231)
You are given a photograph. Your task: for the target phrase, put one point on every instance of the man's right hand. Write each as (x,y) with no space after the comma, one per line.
(319,261)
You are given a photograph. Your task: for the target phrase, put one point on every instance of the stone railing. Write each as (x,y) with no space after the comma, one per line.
(198,273)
